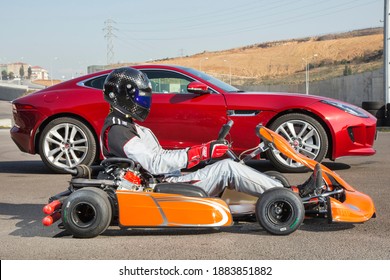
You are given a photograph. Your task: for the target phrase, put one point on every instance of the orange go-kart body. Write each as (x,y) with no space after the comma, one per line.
(355,207)
(150,209)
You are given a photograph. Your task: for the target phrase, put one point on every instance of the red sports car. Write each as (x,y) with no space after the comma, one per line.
(62,123)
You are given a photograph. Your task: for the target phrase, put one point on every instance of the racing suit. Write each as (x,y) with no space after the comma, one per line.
(124,138)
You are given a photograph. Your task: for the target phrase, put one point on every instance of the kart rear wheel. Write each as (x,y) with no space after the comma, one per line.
(280,211)
(87,212)
(278,177)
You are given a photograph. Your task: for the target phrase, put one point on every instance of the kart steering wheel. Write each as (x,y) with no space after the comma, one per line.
(222,135)
(225,130)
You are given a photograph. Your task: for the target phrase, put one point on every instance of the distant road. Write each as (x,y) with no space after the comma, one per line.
(31,85)
(25,82)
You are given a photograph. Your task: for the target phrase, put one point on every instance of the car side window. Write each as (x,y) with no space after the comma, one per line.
(97,82)
(167,81)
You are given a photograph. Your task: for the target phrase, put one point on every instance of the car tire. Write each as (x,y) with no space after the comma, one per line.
(66,142)
(372,105)
(280,211)
(278,177)
(305,134)
(87,212)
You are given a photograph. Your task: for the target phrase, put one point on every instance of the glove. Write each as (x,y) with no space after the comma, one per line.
(212,149)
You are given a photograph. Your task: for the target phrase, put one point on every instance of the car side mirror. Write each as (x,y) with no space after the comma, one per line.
(198,88)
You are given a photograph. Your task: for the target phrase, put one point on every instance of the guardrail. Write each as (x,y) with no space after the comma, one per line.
(10,92)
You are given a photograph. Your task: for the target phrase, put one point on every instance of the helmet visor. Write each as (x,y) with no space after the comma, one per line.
(143,98)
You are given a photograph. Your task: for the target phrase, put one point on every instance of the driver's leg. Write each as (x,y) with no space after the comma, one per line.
(216,177)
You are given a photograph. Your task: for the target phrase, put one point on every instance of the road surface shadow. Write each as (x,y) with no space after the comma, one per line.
(28,219)
(322,225)
(244,228)
(25,167)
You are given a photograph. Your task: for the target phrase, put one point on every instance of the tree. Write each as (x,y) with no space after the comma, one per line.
(29,73)
(11,75)
(4,75)
(21,71)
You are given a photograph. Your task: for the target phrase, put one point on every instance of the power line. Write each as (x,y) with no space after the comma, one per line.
(251,26)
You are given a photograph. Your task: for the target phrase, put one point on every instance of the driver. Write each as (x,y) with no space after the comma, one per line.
(129,93)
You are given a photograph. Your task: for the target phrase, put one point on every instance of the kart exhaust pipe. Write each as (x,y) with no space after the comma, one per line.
(52,207)
(83,171)
(60,196)
(50,219)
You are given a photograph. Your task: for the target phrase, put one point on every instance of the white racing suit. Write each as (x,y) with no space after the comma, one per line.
(124,138)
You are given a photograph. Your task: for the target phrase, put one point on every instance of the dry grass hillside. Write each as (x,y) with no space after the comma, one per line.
(285,61)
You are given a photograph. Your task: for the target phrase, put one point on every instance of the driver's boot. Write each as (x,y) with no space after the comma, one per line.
(313,183)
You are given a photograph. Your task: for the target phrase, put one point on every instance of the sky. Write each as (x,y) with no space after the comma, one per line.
(65,37)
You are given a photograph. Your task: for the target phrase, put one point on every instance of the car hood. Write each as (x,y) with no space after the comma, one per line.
(272,101)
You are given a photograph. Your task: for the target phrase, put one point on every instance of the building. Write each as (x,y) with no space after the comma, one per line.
(38,73)
(15,68)
(96,68)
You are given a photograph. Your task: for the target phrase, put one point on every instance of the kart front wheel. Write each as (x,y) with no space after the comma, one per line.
(87,212)
(280,211)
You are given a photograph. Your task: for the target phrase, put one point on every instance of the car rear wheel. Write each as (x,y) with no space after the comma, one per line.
(66,142)
(305,134)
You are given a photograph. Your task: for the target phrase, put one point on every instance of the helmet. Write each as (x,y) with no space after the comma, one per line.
(129,91)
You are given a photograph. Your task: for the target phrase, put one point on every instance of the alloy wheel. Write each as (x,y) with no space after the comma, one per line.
(65,145)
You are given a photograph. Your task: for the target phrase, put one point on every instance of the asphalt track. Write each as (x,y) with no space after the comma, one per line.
(26,184)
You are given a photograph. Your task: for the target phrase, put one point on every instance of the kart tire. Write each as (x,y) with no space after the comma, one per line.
(66,142)
(278,177)
(280,211)
(87,212)
(312,141)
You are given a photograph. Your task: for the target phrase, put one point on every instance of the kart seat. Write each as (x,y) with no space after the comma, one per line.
(180,188)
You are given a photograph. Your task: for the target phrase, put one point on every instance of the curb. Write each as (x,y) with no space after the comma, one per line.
(5,123)
(383,129)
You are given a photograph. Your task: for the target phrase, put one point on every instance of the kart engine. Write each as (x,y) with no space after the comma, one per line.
(129,179)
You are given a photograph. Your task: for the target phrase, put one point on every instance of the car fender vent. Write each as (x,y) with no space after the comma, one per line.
(243,113)
(350,133)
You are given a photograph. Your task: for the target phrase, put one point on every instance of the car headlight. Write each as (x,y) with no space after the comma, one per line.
(350,109)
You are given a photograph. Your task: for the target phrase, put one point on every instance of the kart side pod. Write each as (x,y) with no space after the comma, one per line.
(150,209)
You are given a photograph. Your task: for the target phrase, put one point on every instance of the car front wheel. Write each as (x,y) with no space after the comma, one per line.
(66,142)
(305,134)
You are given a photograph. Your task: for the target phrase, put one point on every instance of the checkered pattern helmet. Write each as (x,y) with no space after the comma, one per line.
(129,91)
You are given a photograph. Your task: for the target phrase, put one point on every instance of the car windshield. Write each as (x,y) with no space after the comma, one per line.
(210,79)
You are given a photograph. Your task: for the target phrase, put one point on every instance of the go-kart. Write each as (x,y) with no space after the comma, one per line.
(119,191)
